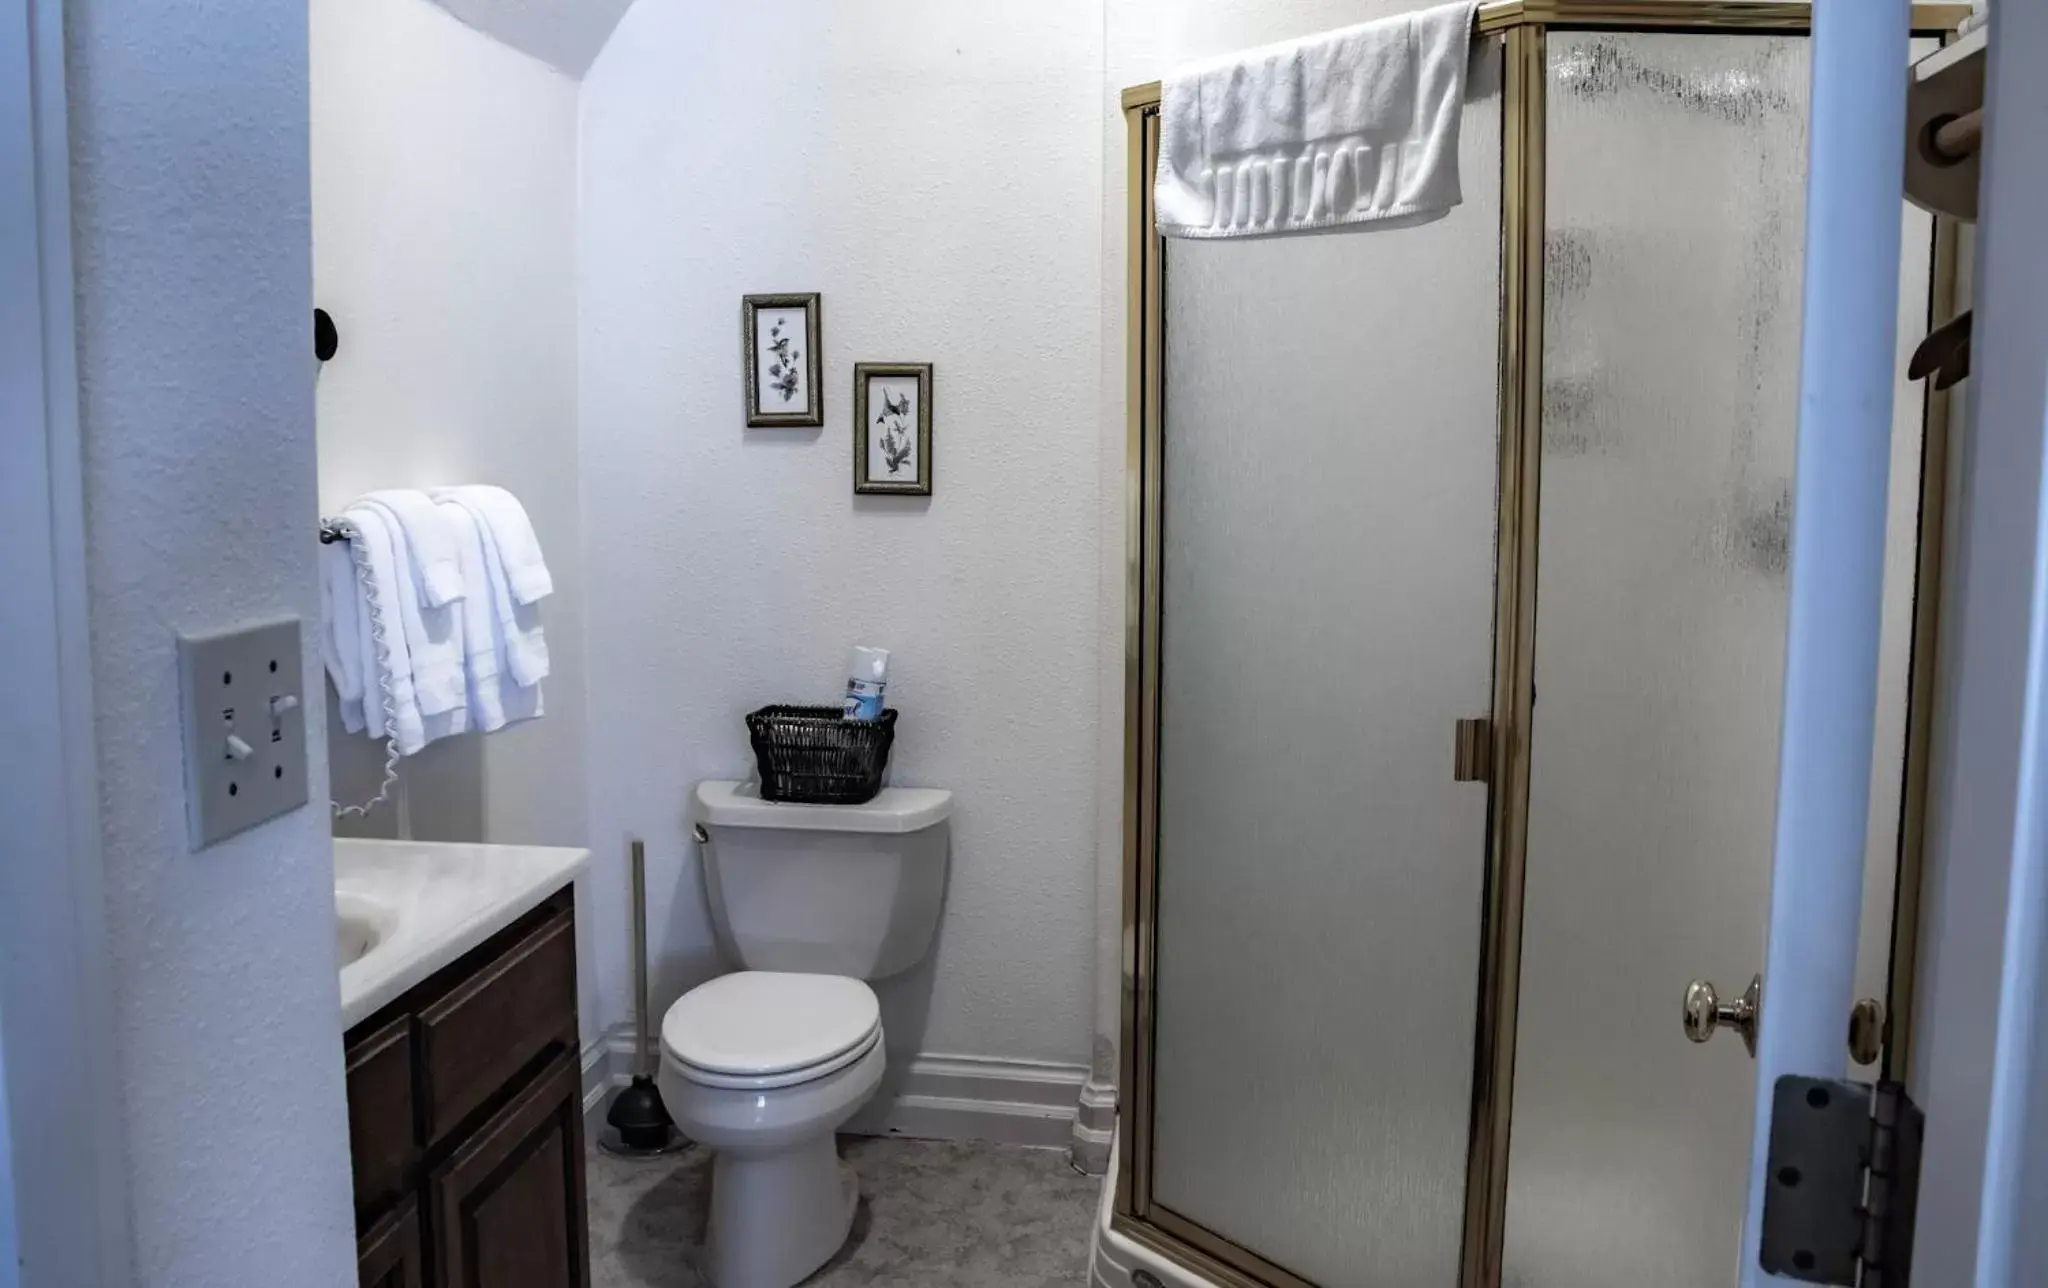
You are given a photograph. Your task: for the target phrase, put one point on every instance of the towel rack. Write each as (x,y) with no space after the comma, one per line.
(1945,133)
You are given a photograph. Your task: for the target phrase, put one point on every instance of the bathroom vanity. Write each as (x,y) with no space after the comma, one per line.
(465,1093)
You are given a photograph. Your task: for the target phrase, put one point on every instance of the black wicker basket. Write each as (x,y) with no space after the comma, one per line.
(815,756)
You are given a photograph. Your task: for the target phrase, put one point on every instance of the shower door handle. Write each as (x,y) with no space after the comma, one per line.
(1472,754)
(1705,1012)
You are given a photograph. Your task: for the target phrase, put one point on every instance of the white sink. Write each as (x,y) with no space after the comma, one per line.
(405,909)
(360,924)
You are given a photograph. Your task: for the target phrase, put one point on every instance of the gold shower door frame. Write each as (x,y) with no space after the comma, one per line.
(1523,26)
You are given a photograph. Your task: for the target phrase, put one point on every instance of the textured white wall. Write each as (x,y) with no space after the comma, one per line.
(189,170)
(934,169)
(444,210)
(562,33)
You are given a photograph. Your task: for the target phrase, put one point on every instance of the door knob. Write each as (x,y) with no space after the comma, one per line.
(1705,1011)
(1866,1031)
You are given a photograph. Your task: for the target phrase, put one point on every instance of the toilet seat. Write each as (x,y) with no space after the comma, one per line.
(770,1081)
(757,1030)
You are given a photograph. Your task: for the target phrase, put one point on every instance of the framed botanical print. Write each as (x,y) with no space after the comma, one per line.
(781,337)
(892,428)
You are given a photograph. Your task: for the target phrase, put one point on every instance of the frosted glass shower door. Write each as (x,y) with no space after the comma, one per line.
(1675,204)
(1328,498)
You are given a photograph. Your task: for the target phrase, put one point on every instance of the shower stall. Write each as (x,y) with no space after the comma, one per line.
(1457,598)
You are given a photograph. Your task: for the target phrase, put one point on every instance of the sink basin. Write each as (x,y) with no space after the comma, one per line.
(360,924)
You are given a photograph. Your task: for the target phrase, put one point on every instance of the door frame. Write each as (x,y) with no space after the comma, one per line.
(1522,26)
(1981,1068)
(62,1086)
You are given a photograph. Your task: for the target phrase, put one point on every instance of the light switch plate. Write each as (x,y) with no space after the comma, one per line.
(245,727)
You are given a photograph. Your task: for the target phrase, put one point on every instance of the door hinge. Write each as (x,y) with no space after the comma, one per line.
(1841,1190)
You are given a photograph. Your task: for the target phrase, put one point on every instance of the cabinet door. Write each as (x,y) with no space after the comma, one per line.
(380,1116)
(492,1025)
(508,1206)
(389,1255)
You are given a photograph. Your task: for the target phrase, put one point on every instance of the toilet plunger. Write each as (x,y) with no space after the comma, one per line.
(637,1114)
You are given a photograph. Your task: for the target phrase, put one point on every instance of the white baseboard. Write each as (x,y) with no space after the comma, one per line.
(597,1083)
(963,1097)
(940,1097)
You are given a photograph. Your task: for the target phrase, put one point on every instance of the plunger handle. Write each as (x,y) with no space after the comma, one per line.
(640,1034)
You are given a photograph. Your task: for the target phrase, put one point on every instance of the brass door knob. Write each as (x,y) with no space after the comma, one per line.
(1705,1012)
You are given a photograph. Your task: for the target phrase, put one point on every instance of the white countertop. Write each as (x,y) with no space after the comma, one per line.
(434,901)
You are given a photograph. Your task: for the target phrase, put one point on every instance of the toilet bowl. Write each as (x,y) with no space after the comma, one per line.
(763,1065)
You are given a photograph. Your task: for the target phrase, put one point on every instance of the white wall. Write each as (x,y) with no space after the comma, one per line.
(444,214)
(10,1272)
(444,207)
(562,33)
(69,1224)
(189,174)
(933,168)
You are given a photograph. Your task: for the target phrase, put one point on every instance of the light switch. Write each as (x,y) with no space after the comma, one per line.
(245,728)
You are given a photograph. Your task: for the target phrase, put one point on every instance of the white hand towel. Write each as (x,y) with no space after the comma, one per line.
(500,512)
(1358,125)
(495,698)
(393,663)
(518,622)
(432,636)
(340,638)
(435,570)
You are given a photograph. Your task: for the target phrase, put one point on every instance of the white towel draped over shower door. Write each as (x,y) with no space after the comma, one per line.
(1354,126)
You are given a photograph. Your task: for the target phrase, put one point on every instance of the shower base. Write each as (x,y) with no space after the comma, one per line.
(1117,1262)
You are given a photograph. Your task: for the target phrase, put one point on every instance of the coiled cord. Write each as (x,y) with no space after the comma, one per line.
(341,531)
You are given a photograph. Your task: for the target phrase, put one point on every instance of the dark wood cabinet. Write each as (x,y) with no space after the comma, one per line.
(465,1115)
(390,1255)
(479,1036)
(380,1116)
(508,1206)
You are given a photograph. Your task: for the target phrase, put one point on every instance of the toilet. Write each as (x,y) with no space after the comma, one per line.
(762,1066)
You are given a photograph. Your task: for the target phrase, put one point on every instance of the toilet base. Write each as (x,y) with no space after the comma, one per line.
(777,1217)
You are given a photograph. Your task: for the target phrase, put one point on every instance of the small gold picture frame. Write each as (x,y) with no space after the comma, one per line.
(892,428)
(781,337)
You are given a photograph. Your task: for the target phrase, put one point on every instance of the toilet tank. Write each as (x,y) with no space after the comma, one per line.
(828,889)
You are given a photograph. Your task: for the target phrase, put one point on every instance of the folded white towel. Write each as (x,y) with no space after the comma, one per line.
(341,641)
(500,512)
(430,640)
(428,541)
(393,663)
(1353,126)
(518,622)
(495,698)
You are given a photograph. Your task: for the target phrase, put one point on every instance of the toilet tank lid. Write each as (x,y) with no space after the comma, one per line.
(896,809)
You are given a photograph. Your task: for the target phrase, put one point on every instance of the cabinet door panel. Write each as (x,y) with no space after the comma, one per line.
(508,1206)
(390,1255)
(380,1116)
(491,1026)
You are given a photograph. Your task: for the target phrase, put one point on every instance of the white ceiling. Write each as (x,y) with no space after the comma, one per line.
(562,33)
